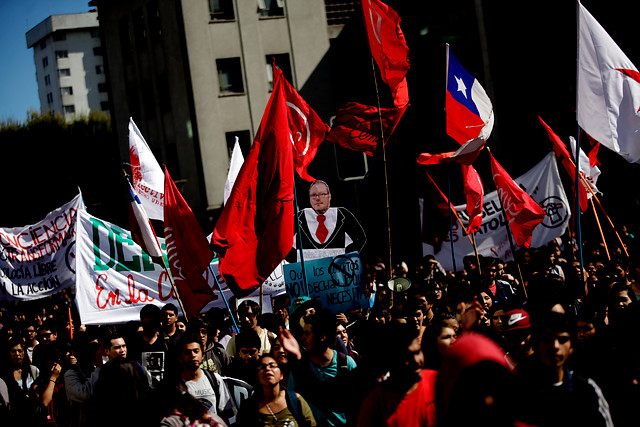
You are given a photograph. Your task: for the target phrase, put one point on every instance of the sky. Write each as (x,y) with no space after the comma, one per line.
(18,87)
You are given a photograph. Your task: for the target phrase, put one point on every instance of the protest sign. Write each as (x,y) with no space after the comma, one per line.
(116,278)
(38,260)
(543,184)
(335,281)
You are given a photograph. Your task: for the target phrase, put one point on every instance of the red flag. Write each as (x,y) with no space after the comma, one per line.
(474,191)
(566,159)
(593,153)
(307,129)
(435,217)
(187,250)
(388,47)
(357,126)
(522,212)
(255,230)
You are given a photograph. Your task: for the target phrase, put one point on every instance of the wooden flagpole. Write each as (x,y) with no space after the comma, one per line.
(595,214)
(384,162)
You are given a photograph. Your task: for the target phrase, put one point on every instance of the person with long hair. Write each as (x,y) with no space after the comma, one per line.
(272,404)
(24,373)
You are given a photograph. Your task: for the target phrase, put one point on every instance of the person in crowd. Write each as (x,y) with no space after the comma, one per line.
(121,384)
(215,358)
(272,404)
(418,315)
(567,398)
(517,337)
(168,323)
(149,348)
(209,388)
(245,360)
(407,397)
(343,335)
(438,336)
(321,375)
(248,312)
(48,389)
(30,338)
(22,371)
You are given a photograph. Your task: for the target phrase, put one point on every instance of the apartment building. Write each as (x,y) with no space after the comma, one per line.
(70,72)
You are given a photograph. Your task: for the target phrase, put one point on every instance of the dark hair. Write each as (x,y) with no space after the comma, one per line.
(170,307)
(319,181)
(188,338)
(323,325)
(555,322)
(248,339)
(249,304)
(197,323)
(106,339)
(150,310)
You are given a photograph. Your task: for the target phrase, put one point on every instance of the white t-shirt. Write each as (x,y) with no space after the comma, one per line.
(201,389)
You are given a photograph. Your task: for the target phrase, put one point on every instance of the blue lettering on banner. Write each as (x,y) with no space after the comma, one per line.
(335,281)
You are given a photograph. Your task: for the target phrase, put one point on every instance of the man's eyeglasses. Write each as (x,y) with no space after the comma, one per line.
(314,195)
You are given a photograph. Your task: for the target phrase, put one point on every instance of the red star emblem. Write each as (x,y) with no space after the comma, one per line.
(630,73)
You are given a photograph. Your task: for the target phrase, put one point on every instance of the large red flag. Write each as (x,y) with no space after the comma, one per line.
(566,159)
(474,191)
(388,47)
(255,230)
(522,212)
(357,126)
(187,250)
(308,131)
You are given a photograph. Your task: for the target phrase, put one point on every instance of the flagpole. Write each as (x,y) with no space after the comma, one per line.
(384,161)
(604,242)
(577,163)
(164,263)
(224,298)
(297,222)
(453,253)
(513,248)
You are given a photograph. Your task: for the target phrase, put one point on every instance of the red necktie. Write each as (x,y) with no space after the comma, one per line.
(322,231)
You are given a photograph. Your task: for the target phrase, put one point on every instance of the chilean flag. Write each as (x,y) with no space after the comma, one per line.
(469,109)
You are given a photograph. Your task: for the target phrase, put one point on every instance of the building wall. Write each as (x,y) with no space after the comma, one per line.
(75,79)
(192,136)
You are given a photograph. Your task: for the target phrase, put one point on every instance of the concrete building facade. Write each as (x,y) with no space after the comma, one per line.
(69,64)
(194,74)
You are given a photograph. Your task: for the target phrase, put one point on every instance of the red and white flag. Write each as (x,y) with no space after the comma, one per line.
(141,228)
(608,90)
(357,126)
(188,250)
(522,212)
(388,47)
(465,155)
(590,173)
(308,130)
(148,179)
(255,229)
(567,161)
(474,191)
(234,168)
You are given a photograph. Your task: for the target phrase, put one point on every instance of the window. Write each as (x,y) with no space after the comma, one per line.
(66,90)
(282,62)
(99,69)
(339,12)
(68,109)
(230,76)
(50,98)
(269,8)
(104,105)
(47,80)
(221,10)
(45,62)
(102,87)
(43,44)
(64,72)
(62,53)
(95,34)
(97,51)
(58,36)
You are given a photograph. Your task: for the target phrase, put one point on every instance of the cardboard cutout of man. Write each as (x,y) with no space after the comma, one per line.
(324,230)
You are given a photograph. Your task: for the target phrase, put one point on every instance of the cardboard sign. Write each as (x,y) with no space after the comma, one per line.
(335,281)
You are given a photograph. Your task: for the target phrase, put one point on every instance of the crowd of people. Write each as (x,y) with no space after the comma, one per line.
(502,344)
